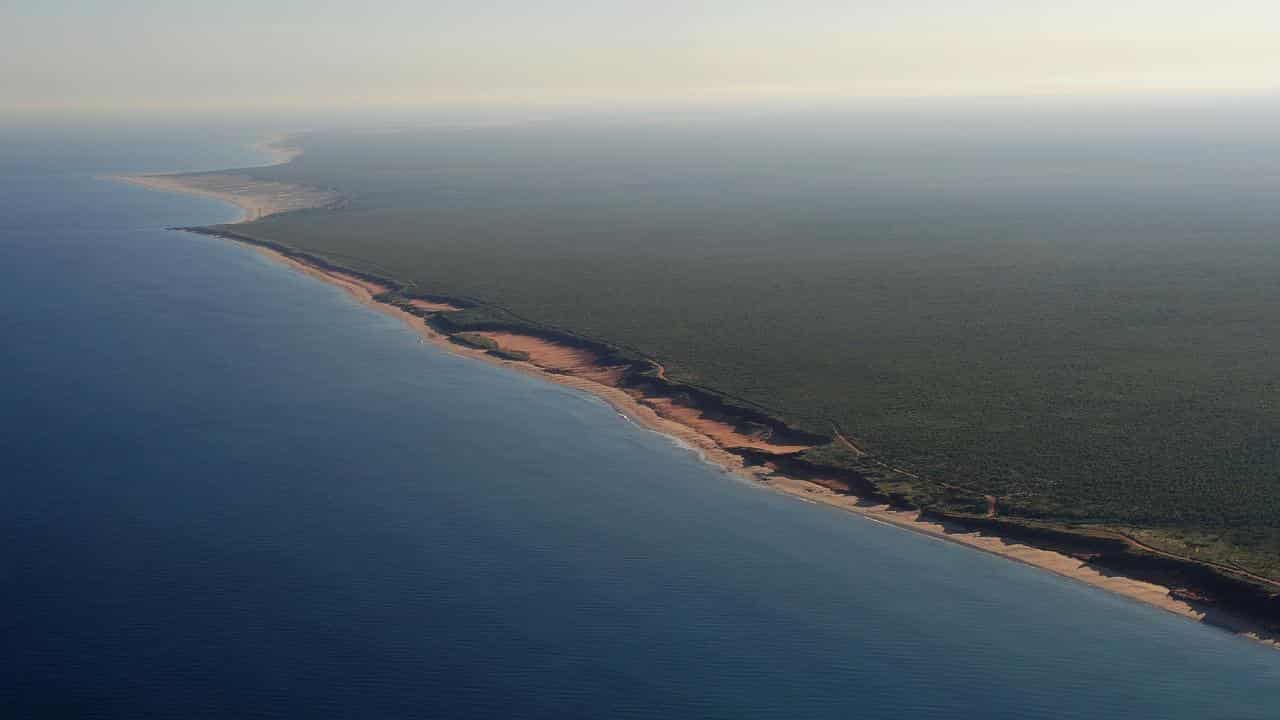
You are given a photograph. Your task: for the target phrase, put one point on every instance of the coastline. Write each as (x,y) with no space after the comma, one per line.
(533,356)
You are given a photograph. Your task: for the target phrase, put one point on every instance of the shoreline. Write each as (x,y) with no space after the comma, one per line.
(684,426)
(712,452)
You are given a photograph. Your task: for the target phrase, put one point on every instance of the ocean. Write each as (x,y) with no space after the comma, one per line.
(229,491)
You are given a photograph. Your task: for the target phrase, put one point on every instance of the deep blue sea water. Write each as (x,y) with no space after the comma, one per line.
(227,491)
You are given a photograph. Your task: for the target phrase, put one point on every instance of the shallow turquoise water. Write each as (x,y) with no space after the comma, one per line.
(228,491)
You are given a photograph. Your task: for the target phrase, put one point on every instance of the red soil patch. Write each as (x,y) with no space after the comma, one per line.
(723,433)
(557,358)
(430,306)
(369,286)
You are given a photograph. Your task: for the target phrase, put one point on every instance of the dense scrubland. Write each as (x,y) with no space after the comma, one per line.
(1075,312)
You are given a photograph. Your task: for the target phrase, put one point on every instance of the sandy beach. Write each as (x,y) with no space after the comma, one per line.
(712,439)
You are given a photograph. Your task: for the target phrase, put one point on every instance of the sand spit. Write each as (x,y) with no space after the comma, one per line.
(255,198)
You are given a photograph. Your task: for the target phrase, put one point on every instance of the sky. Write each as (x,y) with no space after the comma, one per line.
(129,56)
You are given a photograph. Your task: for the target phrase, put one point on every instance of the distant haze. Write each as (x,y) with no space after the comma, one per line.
(140,56)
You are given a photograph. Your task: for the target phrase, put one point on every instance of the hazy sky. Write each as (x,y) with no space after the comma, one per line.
(139,55)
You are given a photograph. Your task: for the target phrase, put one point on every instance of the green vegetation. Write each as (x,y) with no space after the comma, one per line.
(474,340)
(489,345)
(506,354)
(1083,336)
